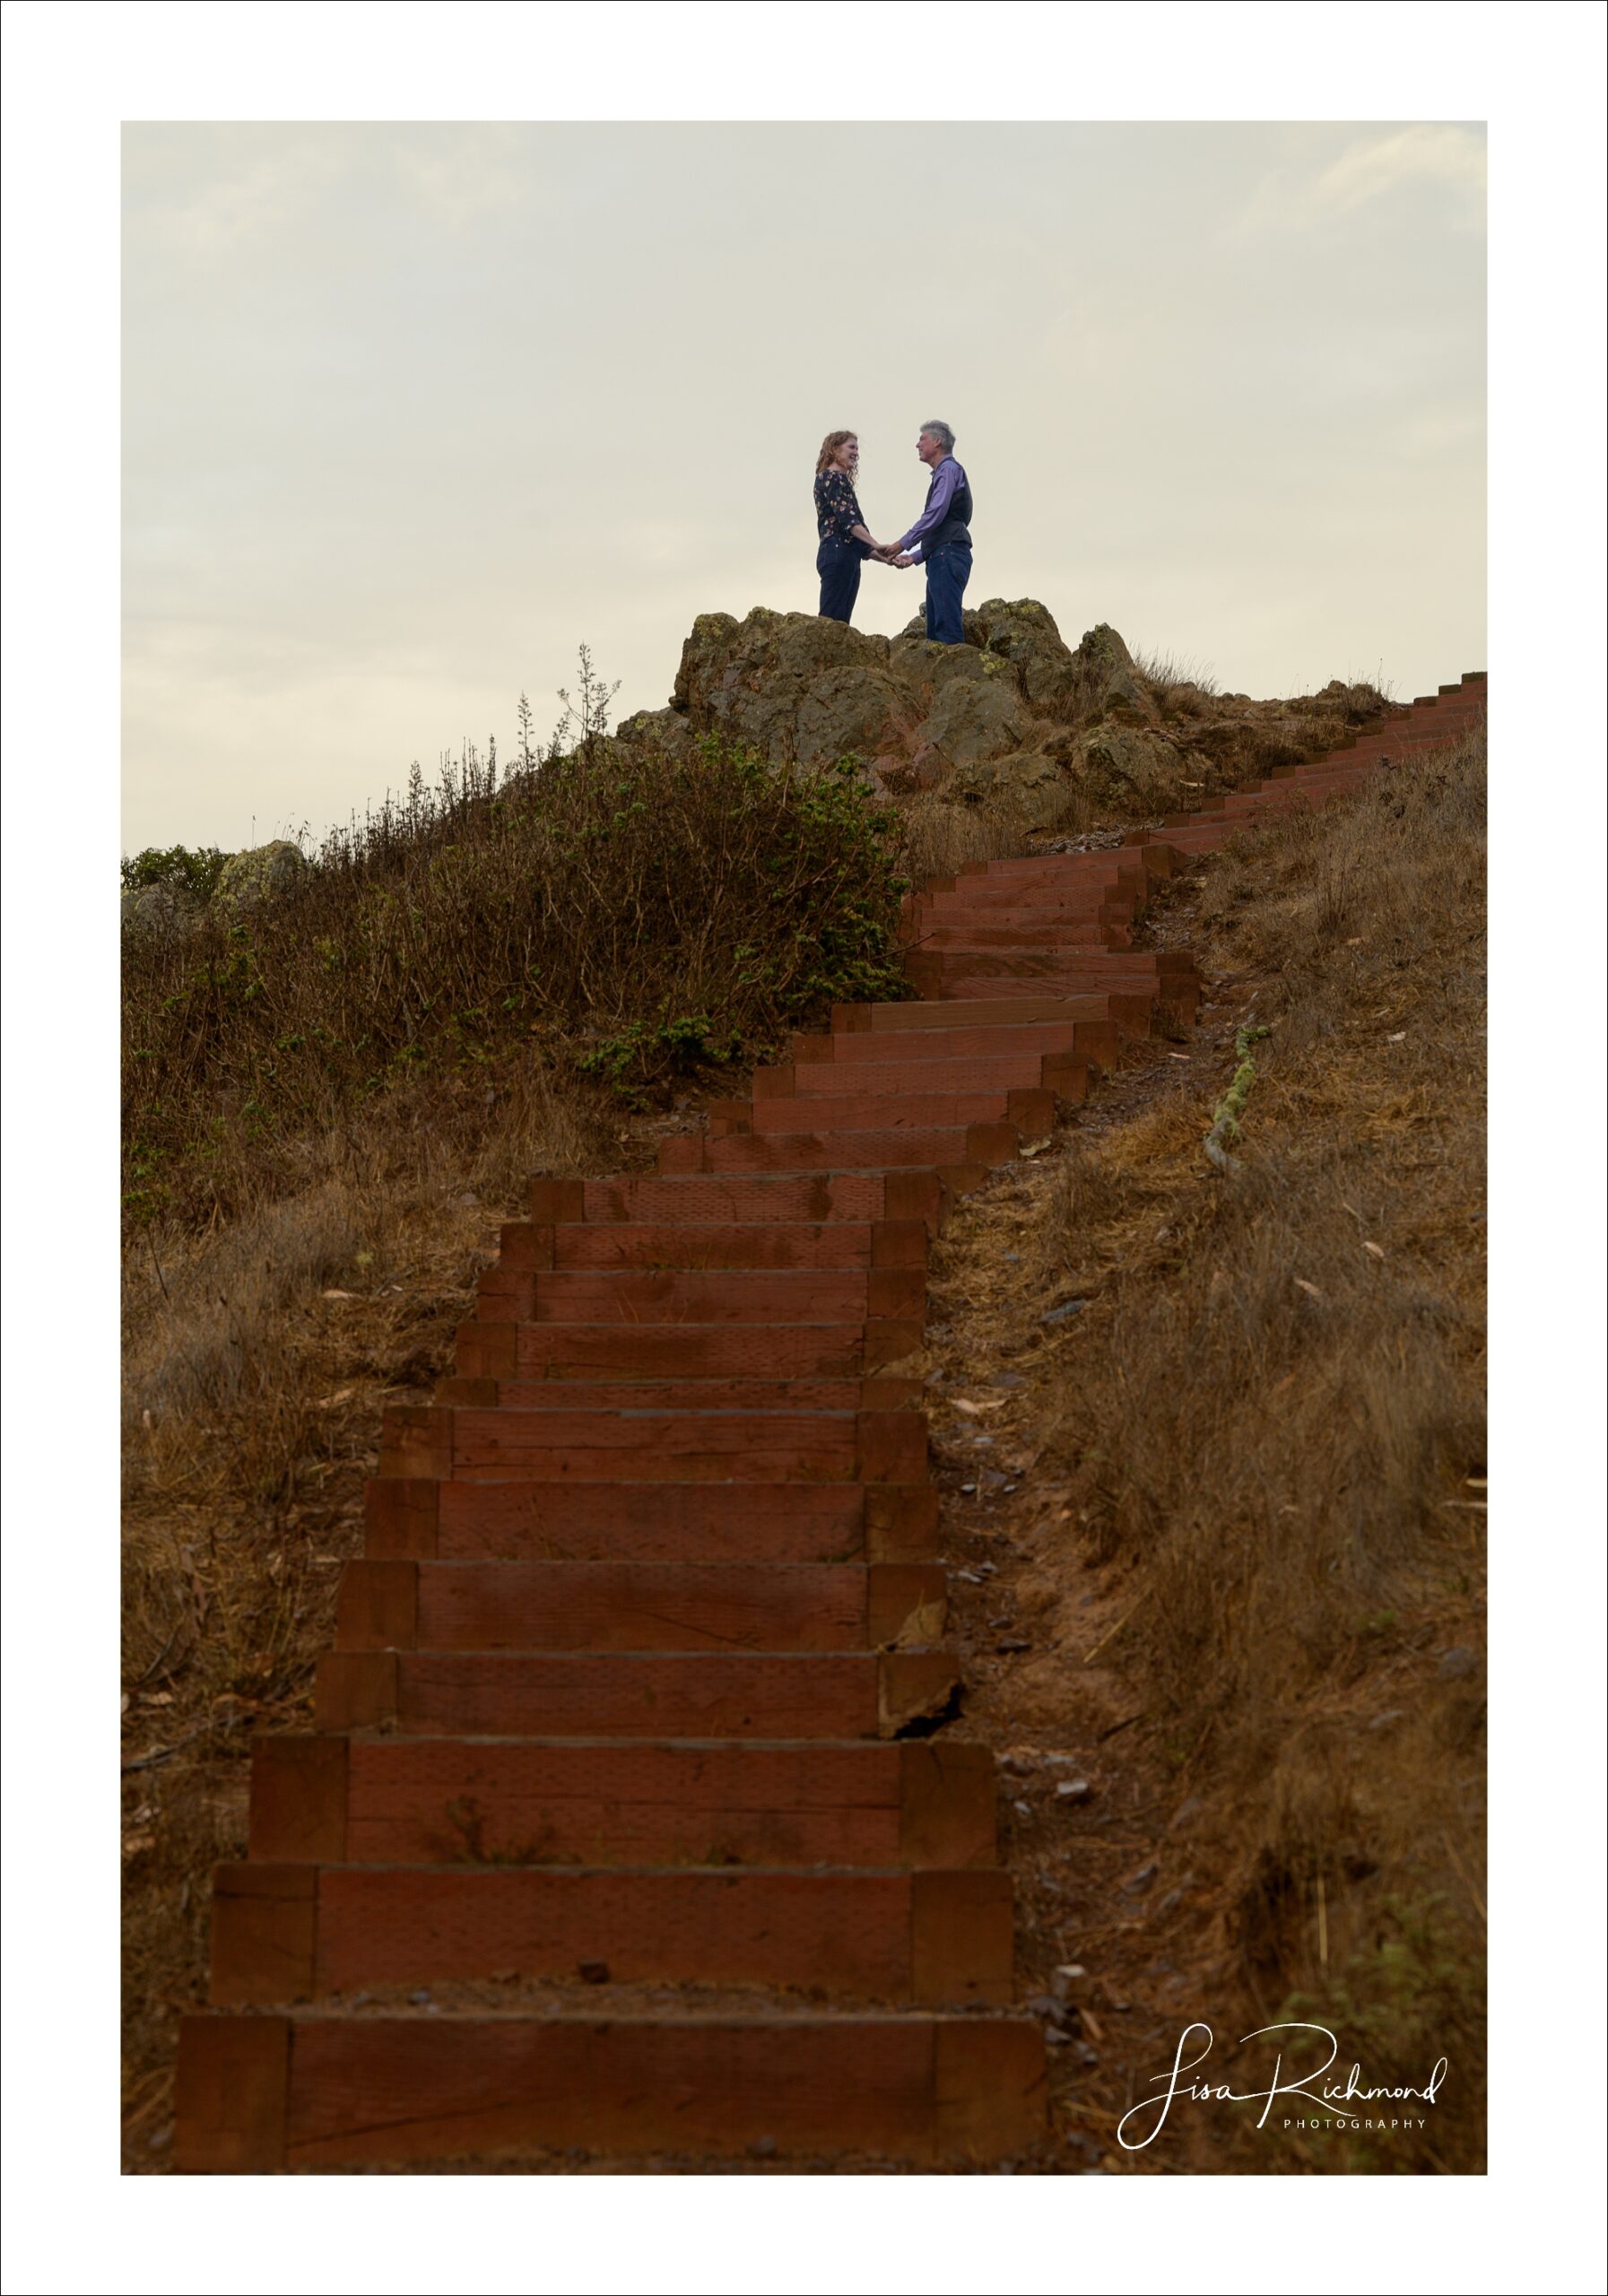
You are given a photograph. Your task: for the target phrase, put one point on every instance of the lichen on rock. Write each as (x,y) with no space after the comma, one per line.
(259,872)
(1030,786)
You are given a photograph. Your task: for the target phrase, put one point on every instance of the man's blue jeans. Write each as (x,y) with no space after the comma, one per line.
(947,573)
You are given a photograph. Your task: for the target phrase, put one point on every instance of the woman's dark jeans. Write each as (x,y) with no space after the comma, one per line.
(947,573)
(837,563)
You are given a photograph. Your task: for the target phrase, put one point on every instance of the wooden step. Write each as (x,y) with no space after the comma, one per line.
(405,1604)
(1113,862)
(261,2094)
(994,909)
(848,1694)
(1095,1041)
(993,973)
(877,1392)
(710,1199)
(303,1932)
(570,1247)
(1010,932)
(1130,1011)
(611,1802)
(1102,924)
(663,1350)
(1032,1069)
(1076,969)
(466,1445)
(424,1518)
(849,1113)
(946,1149)
(640,1296)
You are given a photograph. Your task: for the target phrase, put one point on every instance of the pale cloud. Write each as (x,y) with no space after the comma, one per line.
(223,198)
(1314,188)
(1375,166)
(483,170)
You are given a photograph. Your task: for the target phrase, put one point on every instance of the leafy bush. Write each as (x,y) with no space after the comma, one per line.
(632,914)
(194,870)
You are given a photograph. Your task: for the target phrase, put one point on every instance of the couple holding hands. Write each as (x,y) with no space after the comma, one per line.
(940,540)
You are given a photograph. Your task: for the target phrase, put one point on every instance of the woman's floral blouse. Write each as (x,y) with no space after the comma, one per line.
(836,509)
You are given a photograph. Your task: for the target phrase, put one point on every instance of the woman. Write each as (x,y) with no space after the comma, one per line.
(844,541)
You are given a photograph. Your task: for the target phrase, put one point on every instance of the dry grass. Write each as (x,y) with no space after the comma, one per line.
(1164,671)
(1271,1413)
(938,836)
(1257,1450)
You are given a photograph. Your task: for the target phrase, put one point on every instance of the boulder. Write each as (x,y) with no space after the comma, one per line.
(923,667)
(153,910)
(851,712)
(1023,634)
(260,872)
(664,729)
(703,653)
(751,680)
(1030,786)
(977,712)
(1104,682)
(1133,767)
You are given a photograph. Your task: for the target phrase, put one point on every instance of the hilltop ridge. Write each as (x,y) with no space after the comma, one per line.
(1013,719)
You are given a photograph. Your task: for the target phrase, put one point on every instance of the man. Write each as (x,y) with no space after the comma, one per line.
(941,538)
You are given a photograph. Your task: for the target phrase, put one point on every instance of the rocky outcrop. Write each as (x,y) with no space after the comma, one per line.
(1024,634)
(1033,787)
(1014,717)
(156,908)
(994,721)
(259,872)
(1105,682)
(171,905)
(801,689)
(1131,768)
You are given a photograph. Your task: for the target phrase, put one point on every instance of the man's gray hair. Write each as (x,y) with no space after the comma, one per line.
(942,432)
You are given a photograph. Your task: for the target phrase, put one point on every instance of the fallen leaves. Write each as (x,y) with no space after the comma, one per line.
(1311,1290)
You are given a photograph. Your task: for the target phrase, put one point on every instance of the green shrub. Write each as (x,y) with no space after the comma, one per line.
(630,913)
(193,871)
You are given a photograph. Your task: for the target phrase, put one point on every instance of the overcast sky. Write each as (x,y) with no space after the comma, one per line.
(411,411)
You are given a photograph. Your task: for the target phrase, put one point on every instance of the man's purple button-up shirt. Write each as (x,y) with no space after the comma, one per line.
(941,492)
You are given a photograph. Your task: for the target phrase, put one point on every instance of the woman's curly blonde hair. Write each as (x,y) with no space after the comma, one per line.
(829,446)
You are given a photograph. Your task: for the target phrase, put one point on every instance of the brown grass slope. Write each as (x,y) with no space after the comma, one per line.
(1244,1578)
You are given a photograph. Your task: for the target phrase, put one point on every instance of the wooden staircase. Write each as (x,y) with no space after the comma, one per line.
(631,1818)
